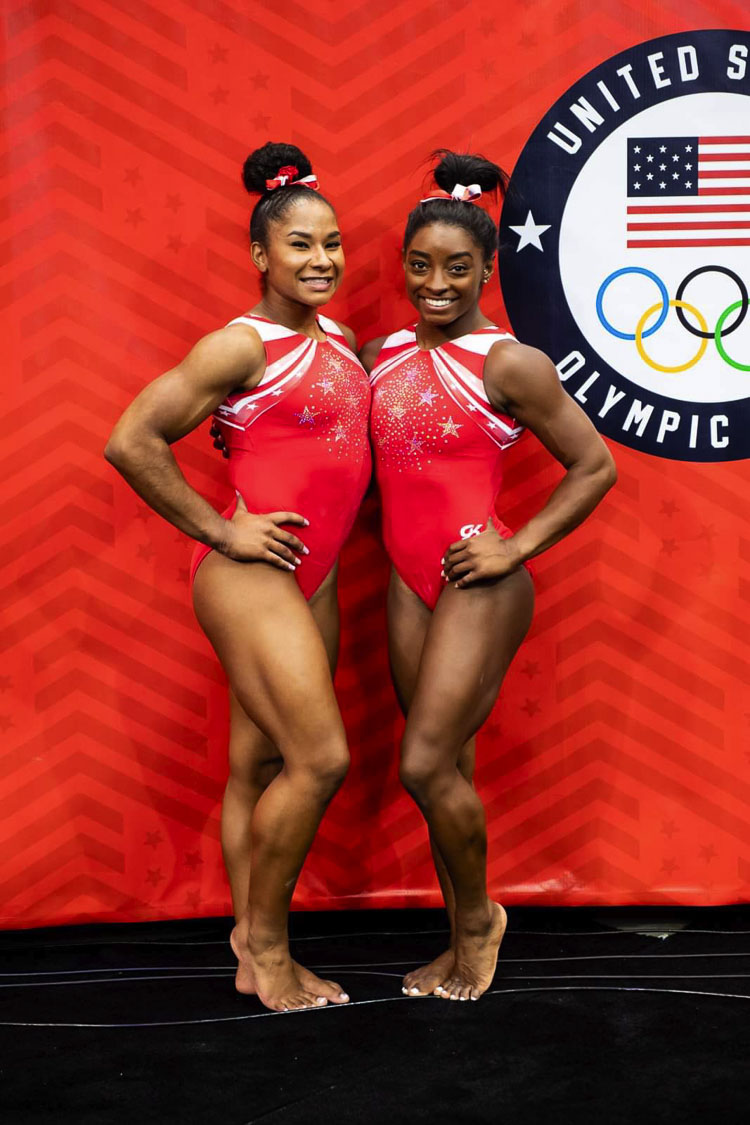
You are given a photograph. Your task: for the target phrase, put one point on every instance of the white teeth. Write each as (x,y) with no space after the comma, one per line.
(434,303)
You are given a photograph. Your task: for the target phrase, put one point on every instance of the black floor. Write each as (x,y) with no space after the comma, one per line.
(595,1016)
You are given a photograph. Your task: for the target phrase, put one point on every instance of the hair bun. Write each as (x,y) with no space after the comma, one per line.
(467,168)
(265,162)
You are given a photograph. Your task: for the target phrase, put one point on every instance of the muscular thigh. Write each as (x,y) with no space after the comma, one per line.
(270,647)
(472,638)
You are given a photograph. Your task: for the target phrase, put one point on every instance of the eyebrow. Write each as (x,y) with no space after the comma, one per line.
(307,234)
(461,254)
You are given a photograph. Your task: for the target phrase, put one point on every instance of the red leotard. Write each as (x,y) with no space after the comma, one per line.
(298,441)
(438,450)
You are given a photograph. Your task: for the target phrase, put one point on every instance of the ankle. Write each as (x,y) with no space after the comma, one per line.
(476,922)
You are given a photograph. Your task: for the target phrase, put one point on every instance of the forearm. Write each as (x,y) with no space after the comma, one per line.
(148,465)
(575,498)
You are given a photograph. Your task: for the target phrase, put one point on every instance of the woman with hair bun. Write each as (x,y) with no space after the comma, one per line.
(450,394)
(291,402)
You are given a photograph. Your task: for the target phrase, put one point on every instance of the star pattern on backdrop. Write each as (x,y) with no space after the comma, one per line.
(530,234)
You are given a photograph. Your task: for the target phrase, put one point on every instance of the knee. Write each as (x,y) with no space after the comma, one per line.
(325,771)
(421,772)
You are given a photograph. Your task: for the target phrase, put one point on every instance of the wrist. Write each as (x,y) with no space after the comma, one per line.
(515,545)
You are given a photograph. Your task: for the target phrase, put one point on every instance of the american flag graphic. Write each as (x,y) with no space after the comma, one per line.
(688,191)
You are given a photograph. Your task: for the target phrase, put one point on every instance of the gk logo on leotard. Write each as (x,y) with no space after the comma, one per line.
(629,214)
(469,530)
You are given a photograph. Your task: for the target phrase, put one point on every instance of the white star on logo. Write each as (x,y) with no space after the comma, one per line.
(637,187)
(636,167)
(649,175)
(688,183)
(649,158)
(662,148)
(675,175)
(530,233)
(637,148)
(688,148)
(675,157)
(662,167)
(662,184)
(688,167)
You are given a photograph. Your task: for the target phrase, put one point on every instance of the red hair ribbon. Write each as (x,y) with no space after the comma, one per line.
(460,194)
(285,178)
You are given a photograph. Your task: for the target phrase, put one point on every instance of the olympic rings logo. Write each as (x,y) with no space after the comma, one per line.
(703,332)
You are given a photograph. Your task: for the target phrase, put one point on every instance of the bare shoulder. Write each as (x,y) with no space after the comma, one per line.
(515,373)
(370,351)
(348,334)
(235,354)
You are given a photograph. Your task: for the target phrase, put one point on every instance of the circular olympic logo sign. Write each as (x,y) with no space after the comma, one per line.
(625,245)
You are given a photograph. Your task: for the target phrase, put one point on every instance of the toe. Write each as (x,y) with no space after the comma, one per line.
(333,992)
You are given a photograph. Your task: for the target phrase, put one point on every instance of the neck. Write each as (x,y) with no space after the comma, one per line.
(291,314)
(433,335)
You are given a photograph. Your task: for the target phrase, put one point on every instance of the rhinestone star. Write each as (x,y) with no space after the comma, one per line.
(306,417)
(427,396)
(450,428)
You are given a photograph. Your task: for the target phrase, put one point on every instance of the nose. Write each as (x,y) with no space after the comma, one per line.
(319,259)
(437,283)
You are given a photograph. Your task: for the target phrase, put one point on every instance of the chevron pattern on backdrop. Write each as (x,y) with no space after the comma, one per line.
(616,766)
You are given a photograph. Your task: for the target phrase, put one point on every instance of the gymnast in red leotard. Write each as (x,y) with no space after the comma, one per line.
(291,402)
(450,394)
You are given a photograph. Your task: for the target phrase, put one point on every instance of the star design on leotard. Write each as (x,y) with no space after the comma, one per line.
(325,385)
(398,410)
(450,428)
(426,396)
(306,417)
(336,364)
(340,432)
(416,444)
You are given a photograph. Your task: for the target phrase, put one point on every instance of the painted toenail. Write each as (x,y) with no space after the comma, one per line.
(343,996)
(463,997)
(405,991)
(415,992)
(320,1000)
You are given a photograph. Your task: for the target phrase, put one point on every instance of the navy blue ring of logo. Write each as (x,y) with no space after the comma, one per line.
(743,305)
(664,298)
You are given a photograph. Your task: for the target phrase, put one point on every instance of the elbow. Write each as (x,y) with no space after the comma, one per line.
(609,473)
(115,452)
(120,449)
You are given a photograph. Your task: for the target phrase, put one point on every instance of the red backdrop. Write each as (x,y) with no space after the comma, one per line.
(615,767)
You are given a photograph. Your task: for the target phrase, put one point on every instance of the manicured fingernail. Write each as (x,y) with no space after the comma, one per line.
(298,561)
(307,523)
(442,562)
(290,566)
(305,550)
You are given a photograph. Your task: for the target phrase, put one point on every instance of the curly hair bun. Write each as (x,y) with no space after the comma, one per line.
(264,164)
(467,168)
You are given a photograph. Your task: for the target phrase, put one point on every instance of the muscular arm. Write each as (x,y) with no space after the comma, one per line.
(522,382)
(170,407)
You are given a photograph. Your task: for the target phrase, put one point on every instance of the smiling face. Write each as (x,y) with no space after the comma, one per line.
(303,260)
(445,270)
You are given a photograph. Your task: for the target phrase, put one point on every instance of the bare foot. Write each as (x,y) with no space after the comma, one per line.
(475,961)
(245,978)
(424,981)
